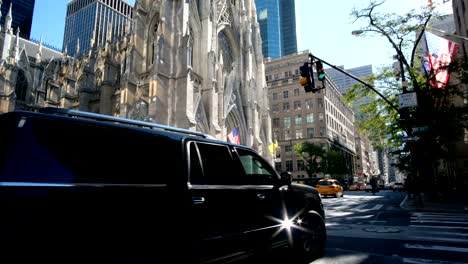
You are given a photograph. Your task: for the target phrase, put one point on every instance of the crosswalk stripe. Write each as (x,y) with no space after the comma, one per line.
(433,247)
(442,218)
(438,221)
(441,227)
(426,261)
(441,239)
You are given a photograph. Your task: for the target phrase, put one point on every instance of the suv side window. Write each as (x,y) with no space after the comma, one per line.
(257,170)
(217,165)
(49,150)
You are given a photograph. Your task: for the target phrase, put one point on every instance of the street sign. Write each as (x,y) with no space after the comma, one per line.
(410,139)
(407,100)
(420,129)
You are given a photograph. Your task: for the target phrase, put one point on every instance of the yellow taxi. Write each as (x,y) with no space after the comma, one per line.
(330,187)
(357,187)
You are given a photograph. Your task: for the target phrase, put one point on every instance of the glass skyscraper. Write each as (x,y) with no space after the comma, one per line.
(277,20)
(85,17)
(22,11)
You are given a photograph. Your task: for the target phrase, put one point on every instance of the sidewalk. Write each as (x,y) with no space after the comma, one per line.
(453,205)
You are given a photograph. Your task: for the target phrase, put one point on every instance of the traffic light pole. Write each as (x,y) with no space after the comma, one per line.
(355,78)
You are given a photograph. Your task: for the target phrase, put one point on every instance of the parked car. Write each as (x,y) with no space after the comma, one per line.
(330,187)
(353,187)
(100,188)
(398,186)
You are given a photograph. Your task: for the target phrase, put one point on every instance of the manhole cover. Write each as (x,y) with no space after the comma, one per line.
(379,229)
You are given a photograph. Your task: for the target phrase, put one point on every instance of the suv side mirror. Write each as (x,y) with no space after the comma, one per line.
(285,178)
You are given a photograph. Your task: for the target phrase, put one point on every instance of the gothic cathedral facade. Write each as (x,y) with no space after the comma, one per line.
(193,64)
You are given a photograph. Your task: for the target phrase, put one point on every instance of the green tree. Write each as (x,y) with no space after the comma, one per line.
(312,155)
(436,108)
(320,160)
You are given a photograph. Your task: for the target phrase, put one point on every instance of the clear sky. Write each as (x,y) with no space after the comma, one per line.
(323,27)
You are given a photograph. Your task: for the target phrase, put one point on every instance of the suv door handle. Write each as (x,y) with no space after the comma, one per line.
(198,200)
(261,196)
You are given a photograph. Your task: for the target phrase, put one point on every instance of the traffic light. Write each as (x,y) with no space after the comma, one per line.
(306,78)
(320,71)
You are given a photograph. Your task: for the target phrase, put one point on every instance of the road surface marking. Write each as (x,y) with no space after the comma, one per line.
(441,248)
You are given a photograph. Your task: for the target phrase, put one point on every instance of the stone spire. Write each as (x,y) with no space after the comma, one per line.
(39,51)
(8,20)
(1,3)
(15,53)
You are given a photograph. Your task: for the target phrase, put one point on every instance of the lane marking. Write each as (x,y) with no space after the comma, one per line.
(442,227)
(440,248)
(426,261)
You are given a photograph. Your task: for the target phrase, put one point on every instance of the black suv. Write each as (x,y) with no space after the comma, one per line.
(84,187)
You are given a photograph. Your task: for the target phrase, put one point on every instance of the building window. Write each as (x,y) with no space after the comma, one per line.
(274,84)
(284,82)
(276,133)
(275,108)
(321,117)
(297,105)
(276,122)
(287,135)
(322,131)
(286,106)
(289,165)
(275,96)
(296,72)
(308,104)
(298,120)
(320,102)
(285,94)
(288,150)
(277,76)
(296,92)
(310,118)
(299,134)
(287,122)
(310,132)
(300,165)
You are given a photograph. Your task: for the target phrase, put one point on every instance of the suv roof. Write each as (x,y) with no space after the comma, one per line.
(107,118)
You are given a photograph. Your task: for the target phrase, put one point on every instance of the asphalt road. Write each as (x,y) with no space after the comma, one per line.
(366,228)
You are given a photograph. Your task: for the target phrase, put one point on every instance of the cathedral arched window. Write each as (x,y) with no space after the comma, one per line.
(190,49)
(21,87)
(152,43)
(225,48)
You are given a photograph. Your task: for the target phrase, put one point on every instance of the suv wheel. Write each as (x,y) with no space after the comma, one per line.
(309,242)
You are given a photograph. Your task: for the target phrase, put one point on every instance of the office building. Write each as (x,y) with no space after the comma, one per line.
(92,19)
(343,81)
(22,15)
(321,118)
(277,20)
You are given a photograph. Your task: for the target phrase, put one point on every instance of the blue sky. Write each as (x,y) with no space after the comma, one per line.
(323,27)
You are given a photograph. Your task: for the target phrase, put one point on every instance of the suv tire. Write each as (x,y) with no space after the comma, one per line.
(309,241)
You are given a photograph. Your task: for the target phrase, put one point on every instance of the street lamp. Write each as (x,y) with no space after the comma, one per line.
(398,57)
(357,32)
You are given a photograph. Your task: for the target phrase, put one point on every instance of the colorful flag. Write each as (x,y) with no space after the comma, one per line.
(440,53)
(273,146)
(234,136)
